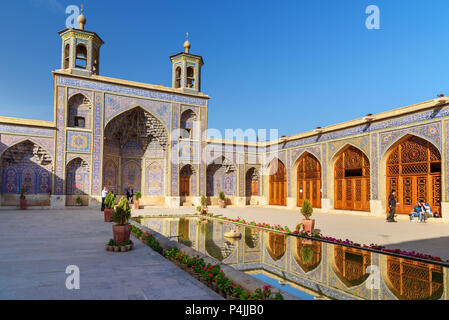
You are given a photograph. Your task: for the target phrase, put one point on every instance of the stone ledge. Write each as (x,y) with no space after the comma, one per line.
(247,282)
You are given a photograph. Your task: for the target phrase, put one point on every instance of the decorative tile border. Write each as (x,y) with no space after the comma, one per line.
(98,128)
(374,167)
(147,93)
(26,130)
(59,165)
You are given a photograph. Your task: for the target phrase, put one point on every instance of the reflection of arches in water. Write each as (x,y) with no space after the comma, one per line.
(220,248)
(412,280)
(276,244)
(251,237)
(183,231)
(308,256)
(350,265)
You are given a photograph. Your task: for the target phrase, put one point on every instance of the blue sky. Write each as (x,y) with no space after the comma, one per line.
(292,65)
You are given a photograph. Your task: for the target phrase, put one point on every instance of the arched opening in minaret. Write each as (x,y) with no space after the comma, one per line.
(190,77)
(178,77)
(67,56)
(81,57)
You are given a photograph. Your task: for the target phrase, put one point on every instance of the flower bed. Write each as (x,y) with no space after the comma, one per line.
(213,276)
(319,236)
(209,274)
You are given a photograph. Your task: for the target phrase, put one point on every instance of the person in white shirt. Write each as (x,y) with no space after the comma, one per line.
(104,193)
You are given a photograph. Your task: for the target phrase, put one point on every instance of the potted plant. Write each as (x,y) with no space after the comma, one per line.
(23,200)
(109,203)
(121,230)
(221,201)
(136,201)
(78,201)
(204,209)
(307,223)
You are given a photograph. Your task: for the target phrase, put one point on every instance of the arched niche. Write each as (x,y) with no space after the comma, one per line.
(277,183)
(307,177)
(79,113)
(77,181)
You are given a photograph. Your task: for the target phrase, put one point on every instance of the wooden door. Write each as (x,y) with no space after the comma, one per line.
(277,184)
(184,186)
(352,181)
(309,181)
(414,171)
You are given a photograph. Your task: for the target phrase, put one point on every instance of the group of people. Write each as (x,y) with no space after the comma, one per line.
(422,210)
(129,192)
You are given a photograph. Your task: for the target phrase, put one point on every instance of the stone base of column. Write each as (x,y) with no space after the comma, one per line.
(173,202)
(327,205)
(377,208)
(57,201)
(95,202)
(291,202)
(445,211)
(240,201)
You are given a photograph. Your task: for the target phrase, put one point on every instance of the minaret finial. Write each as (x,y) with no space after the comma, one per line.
(82,18)
(187,43)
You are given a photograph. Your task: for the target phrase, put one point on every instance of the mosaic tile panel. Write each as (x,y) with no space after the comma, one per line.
(59,164)
(147,93)
(374,167)
(78,141)
(98,139)
(115,105)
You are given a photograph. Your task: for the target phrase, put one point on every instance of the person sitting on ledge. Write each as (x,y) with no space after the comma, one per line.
(418,211)
(427,209)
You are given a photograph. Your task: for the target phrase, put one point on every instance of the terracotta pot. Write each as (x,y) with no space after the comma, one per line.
(308,225)
(108,215)
(222,203)
(136,204)
(23,204)
(123,249)
(116,248)
(121,232)
(204,210)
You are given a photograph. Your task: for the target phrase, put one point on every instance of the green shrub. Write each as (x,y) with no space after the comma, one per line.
(122,212)
(221,195)
(306,209)
(78,200)
(198,209)
(203,201)
(109,201)
(138,196)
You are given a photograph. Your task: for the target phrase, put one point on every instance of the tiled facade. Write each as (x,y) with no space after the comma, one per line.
(155,171)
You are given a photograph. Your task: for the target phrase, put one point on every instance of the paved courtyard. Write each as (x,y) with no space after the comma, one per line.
(38,245)
(431,238)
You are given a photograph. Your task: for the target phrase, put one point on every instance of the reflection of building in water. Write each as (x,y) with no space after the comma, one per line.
(251,237)
(350,265)
(217,245)
(412,280)
(276,245)
(308,256)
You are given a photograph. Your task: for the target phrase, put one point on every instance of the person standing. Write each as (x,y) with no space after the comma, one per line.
(392,204)
(104,193)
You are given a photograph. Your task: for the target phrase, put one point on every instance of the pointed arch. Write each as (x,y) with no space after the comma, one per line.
(187,181)
(220,176)
(308,179)
(413,169)
(28,166)
(77,177)
(79,111)
(351,179)
(277,182)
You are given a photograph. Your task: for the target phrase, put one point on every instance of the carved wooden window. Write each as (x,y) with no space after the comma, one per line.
(278,184)
(309,180)
(352,180)
(414,171)
(81,57)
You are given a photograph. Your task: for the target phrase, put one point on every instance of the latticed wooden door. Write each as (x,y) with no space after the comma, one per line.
(352,181)
(414,171)
(278,184)
(309,181)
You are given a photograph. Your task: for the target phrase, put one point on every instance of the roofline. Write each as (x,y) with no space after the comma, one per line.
(421,106)
(28,122)
(86,31)
(129,83)
(188,54)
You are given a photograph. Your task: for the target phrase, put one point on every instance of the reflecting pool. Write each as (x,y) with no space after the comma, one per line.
(326,269)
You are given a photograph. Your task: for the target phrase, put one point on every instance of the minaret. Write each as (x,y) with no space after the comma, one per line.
(81,49)
(186,71)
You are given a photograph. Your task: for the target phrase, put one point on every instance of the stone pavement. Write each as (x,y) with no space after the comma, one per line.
(38,245)
(430,238)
